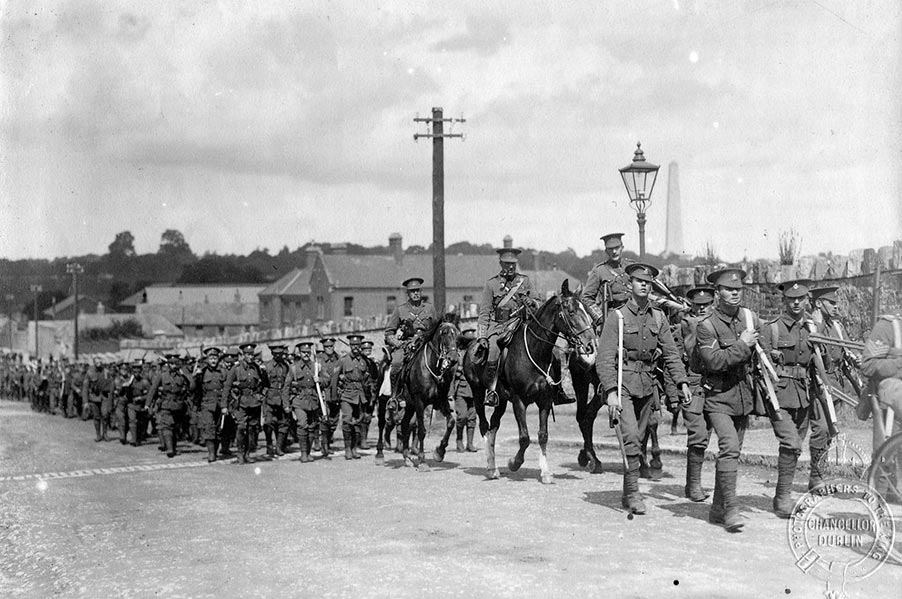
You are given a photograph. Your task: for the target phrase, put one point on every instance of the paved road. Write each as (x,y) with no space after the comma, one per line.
(103,520)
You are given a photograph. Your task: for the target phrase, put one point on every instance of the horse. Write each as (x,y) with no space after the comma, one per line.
(524,373)
(425,380)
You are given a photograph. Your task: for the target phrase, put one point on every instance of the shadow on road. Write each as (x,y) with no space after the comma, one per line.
(608,499)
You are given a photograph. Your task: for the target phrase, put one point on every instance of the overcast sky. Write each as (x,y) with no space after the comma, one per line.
(247,127)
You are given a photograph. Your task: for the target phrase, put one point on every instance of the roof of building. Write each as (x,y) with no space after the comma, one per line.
(151,324)
(167,293)
(243,314)
(68,302)
(134,299)
(296,282)
(384,272)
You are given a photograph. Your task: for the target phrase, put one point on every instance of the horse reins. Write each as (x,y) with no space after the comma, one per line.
(572,338)
(442,356)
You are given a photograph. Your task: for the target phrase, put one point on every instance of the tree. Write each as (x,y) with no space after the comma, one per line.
(789,247)
(172,243)
(123,246)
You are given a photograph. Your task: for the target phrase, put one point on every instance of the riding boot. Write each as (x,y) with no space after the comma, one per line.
(361,437)
(303,444)
(97,437)
(560,396)
(267,432)
(816,475)
(731,519)
(716,514)
(211,452)
(460,439)
(470,430)
(786,468)
(491,373)
(397,397)
(632,500)
(241,446)
(346,433)
(695,458)
(280,444)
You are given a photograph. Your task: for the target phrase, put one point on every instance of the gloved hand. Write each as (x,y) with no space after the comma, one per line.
(686,399)
(776,356)
(748,337)
(612,400)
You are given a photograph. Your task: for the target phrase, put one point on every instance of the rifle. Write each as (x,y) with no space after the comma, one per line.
(820,379)
(614,414)
(766,373)
(319,391)
(669,299)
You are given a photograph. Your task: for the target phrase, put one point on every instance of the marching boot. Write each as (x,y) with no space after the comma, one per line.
(241,446)
(267,432)
(361,436)
(470,430)
(169,442)
(215,448)
(303,445)
(324,444)
(460,439)
(353,435)
(280,444)
(103,430)
(314,441)
(731,519)
(716,514)
(816,475)
(346,433)
(162,445)
(632,500)
(786,468)
(97,437)
(491,373)
(211,452)
(695,458)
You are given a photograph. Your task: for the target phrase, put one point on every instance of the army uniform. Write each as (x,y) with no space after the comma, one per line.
(137,407)
(881,362)
(242,394)
(329,421)
(275,419)
(607,286)
(405,329)
(464,409)
(169,395)
(209,383)
(96,389)
(372,395)
(504,299)
(785,339)
(646,331)
(122,392)
(840,365)
(227,434)
(300,396)
(349,380)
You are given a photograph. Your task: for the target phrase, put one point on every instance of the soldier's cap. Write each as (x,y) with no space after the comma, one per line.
(727,277)
(612,240)
(367,344)
(508,254)
(328,342)
(643,272)
(277,348)
(212,351)
(137,363)
(172,357)
(303,345)
(247,348)
(824,293)
(232,350)
(701,295)
(412,284)
(797,288)
(355,339)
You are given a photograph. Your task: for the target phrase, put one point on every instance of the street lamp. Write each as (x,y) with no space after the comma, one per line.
(75,269)
(36,289)
(639,179)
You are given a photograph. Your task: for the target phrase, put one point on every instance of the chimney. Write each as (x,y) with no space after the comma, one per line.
(339,248)
(508,241)
(100,309)
(310,253)
(395,247)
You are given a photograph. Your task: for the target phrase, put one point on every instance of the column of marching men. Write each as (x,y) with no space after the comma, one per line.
(705,357)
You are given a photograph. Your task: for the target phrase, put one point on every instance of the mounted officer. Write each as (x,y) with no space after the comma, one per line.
(608,285)
(403,334)
(504,300)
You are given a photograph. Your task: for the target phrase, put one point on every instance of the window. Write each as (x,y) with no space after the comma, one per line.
(320,307)
(391,302)
(468,299)
(349,306)
(222,330)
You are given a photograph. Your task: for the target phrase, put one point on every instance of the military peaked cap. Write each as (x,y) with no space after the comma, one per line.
(825,293)
(247,348)
(798,288)
(643,272)
(612,240)
(727,277)
(355,339)
(413,283)
(508,254)
(701,295)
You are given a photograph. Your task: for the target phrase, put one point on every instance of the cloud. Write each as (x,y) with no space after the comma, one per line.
(484,35)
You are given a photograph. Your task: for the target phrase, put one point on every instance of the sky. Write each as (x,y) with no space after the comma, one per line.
(271,124)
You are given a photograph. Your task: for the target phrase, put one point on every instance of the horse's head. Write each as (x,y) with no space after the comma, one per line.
(446,343)
(575,324)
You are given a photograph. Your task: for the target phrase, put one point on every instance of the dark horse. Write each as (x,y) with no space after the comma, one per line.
(425,380)
(523,375)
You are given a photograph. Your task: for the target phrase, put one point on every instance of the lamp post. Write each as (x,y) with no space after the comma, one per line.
(639,179)
(36,289)
(75,269)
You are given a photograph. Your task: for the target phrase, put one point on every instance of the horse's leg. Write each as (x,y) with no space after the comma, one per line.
(439,453)
(421,438)
(380,416)
(580,381)
(655,463)
(587,428)
(491,468)
(404,435)
(523,434)
(544,471)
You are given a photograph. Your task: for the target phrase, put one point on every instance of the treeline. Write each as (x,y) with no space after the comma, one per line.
(121,272)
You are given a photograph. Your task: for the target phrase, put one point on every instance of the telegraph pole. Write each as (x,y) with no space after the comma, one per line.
(9,308)
(75,269)
(36,289)
(438,199)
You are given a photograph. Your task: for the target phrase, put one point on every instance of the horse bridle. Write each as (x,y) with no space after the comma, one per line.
(571,337)
(443,359)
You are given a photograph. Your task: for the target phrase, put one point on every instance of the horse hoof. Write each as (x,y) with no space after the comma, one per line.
(546,478)
(423,467)
(582,459)
(513,466)
(493,474)
(437,455)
